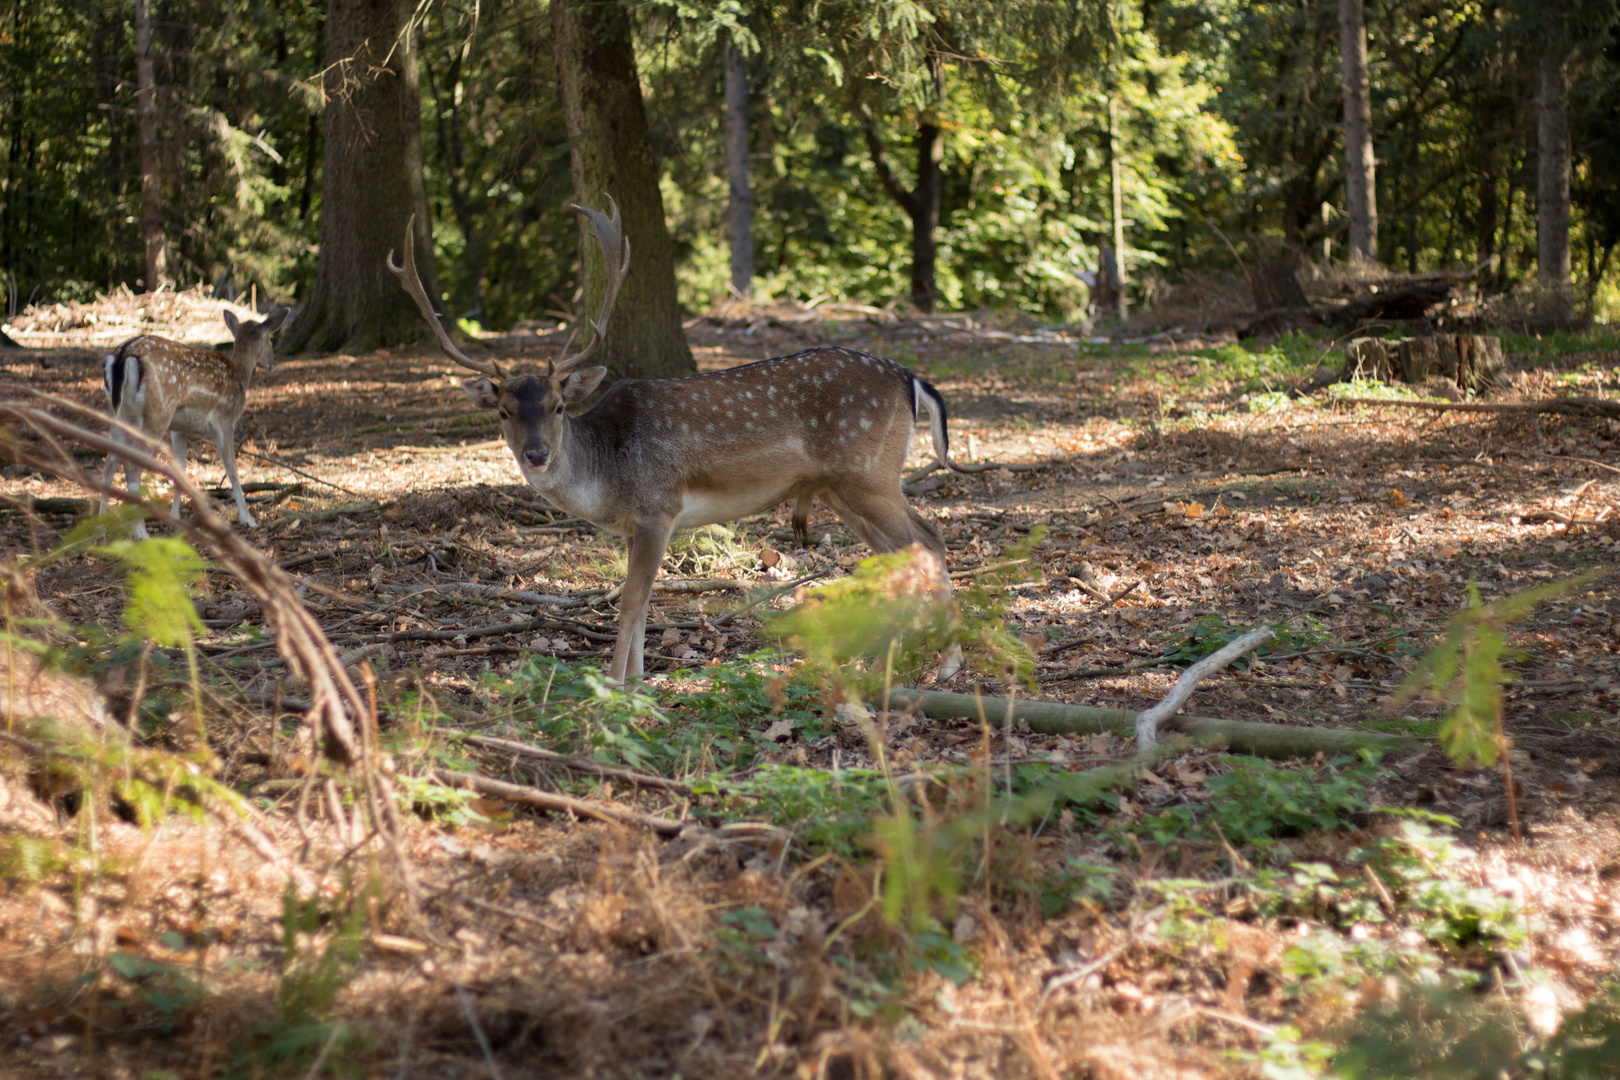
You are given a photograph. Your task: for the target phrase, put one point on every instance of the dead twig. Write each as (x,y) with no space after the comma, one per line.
(1148,720)
(1108,602)
(547,800)
(578,764)
(1570,406)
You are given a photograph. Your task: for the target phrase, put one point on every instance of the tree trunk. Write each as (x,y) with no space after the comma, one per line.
(371,184)
(741,210)
(1117,208)
(1552,189)
(157,272)
(611,153)
(921,204)
(1361,198)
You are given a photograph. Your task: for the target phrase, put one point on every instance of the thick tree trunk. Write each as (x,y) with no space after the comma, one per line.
(741,210)
(1552,189)
(371,184)
(1360,184)
(611,154)
(151,180)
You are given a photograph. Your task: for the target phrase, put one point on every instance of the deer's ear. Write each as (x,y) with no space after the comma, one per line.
(482,392)
(230,320)
(579,384)
(272,322)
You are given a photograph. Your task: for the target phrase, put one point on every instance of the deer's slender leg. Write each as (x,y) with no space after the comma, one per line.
(109,469)
(884,522)
(177,442)
(647,546)
(226,442)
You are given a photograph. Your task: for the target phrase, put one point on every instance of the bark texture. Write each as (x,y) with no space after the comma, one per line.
(371,184)
(611,154)
(741,210)
(1552,189)
(1360,179)
(157,247)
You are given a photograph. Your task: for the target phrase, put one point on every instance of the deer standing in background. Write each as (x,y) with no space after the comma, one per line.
(656,455)
(161,386)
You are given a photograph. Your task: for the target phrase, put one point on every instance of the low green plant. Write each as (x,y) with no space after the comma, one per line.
(709,549)
(1208,634)
(1371,388)
(712,719)
(826,810)
(1257,802)
(1465,671)
(165,989)
(883,624)
(321,950)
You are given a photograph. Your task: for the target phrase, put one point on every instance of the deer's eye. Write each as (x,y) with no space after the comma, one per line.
(559,409)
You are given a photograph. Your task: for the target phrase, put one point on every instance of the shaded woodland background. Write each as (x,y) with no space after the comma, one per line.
(1224,120)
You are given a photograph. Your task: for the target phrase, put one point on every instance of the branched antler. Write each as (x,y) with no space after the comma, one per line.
(609,236)
(412,281)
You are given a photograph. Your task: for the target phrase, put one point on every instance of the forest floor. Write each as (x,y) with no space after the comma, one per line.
(1165,933)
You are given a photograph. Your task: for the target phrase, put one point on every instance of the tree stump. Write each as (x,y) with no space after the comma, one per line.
(1470,361)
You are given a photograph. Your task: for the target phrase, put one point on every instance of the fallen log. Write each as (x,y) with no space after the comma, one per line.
(1570,406)
(1407,303)
(1243,736)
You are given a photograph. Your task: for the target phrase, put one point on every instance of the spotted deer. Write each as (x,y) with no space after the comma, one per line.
(655,455)
(161,386)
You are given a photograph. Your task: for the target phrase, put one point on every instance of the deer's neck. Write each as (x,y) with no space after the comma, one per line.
(244,367)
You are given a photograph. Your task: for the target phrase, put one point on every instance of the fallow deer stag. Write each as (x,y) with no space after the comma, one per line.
(653,456)
(161,386)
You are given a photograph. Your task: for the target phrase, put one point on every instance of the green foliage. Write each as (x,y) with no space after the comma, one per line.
(164,988)
(1465,670)
(713,719)
(882,625)
(1208,634)
(1258,802)
(162,572)
(826,810)
(321,949)
(31,859)
(919,867)
(452,806)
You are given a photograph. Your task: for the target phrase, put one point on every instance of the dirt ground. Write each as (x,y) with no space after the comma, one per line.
(555,947)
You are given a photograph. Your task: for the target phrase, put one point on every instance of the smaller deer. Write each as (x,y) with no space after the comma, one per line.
(656,455)
(161,386)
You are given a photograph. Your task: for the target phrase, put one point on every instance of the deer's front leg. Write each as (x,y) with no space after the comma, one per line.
(647,546)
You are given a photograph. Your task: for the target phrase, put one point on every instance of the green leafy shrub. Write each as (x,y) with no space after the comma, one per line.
(1257,802)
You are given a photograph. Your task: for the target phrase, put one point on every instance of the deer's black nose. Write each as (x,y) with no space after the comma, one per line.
(536,456)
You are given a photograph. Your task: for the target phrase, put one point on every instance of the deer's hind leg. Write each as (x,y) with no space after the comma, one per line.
(886,521)
(177,443)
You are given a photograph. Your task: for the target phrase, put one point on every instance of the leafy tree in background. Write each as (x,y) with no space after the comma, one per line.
(497,169)
(371,183)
